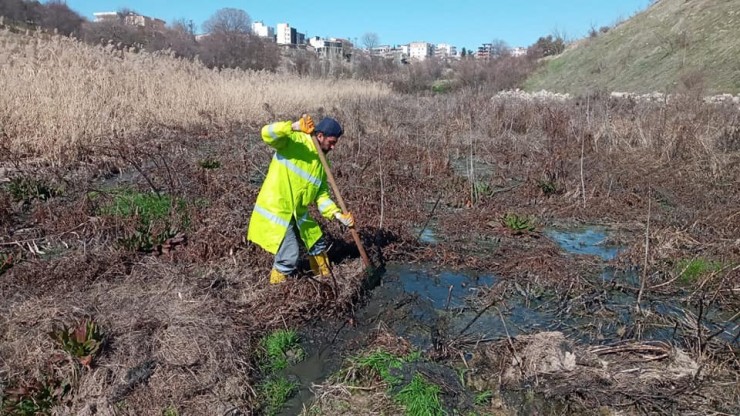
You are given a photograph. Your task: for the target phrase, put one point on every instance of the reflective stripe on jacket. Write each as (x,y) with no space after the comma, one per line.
(294,180)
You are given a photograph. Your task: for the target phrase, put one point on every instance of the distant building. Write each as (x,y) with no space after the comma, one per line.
(381,50)
(484,51)
(263,31)
(131,19)
(420,50)
(327,48)
(518,51)
(445,50)
(288,36)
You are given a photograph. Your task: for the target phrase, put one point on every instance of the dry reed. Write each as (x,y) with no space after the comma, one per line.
(59,93)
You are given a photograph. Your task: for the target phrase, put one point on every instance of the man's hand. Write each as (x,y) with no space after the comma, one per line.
(346,219)
(305,124)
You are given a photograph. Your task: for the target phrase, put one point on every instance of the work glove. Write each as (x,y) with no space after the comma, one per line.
(305,124)
(346,219)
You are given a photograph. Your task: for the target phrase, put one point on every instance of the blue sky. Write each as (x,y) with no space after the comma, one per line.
(462,23)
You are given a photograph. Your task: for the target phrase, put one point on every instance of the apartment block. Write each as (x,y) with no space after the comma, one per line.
(262,30)
(445,50)
(420,50)
(288,36)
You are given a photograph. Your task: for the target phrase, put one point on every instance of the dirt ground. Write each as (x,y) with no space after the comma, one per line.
(182,315)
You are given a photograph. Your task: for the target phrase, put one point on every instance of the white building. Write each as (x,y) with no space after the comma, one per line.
(445,50)
(106,17)
(131,19)
(420,50)
(282,34)
(518,51)
(262,30)
(327,48)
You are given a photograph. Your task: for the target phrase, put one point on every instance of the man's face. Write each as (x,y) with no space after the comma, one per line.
(327,142)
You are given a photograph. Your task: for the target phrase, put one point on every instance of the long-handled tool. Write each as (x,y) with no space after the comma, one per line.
(334,188)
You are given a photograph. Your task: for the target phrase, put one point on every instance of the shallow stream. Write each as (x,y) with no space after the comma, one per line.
(429,306)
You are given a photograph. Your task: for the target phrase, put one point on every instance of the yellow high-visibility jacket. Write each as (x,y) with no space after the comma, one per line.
(294,180)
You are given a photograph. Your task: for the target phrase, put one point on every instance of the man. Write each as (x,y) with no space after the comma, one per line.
(295,179)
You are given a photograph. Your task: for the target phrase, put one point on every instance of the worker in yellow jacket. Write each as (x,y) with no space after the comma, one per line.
(295,179)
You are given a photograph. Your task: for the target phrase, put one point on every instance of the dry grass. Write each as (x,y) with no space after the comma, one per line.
(59,94)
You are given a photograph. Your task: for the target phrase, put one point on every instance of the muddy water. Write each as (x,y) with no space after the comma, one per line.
(429,307)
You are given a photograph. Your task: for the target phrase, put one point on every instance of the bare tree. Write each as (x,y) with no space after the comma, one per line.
(228,21)
(499,49)
(55,14)
(370,40)
(184,26)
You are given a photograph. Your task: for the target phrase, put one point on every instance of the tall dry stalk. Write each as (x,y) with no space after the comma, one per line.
(644,276)
(59,94)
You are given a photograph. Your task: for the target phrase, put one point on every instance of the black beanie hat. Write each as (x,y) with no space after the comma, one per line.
(329,127)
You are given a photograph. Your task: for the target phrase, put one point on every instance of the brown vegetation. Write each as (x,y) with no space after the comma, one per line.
(183,313)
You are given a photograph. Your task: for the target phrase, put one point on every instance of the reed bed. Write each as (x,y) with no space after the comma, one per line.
(59,94)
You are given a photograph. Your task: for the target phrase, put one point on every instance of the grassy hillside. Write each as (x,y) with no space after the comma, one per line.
(673,45)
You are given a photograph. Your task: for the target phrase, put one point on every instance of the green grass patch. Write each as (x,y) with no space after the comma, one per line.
(483,398)
(158,216)
(381,364)
(691,270)
(518,224)
(170,411)
(275,391)
(281,348)
(652,51)
(420,398)
(442,86)
(209,163)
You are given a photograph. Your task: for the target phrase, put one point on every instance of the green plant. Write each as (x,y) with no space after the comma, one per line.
(420,398)
(481,190)
(442,86)
(153,214)
(281,349)
(170,411)
(34,398)
(6,262)
(547,187)
(381,363)
(82,341)
(209,163)
(483,398)
(276,391)
(518,224)
(690,271)
(27,189)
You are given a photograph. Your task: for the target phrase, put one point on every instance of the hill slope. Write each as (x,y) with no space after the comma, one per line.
(673,44)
